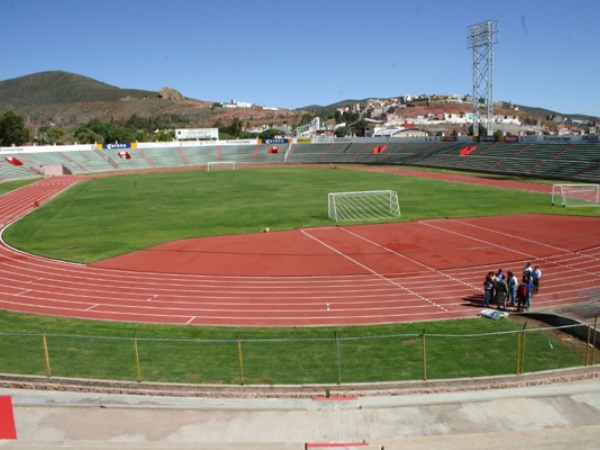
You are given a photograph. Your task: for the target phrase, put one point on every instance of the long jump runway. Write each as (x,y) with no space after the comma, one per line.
(403,272)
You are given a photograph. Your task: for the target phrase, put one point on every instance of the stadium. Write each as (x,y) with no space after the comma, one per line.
(219,268)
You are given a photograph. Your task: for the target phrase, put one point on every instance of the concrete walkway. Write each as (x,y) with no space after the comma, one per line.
(554,416)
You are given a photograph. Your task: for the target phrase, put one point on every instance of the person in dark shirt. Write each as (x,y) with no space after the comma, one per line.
(501,293)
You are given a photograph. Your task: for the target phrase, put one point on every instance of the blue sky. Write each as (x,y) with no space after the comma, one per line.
(293,54)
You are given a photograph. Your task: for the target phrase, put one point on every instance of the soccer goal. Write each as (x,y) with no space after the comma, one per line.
(220,165)
(363,206)
(576,195)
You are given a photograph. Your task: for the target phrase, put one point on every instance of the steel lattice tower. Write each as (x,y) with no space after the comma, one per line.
(482,38)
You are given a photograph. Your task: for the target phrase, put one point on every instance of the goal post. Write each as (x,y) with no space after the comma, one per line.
(363,206)
(220,165)
(576,194)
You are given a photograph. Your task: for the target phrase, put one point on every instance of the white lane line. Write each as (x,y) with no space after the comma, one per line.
(91,307)
(486,243)
(410,259)
(377,274)
(546,260)
(191,320)
(528,240)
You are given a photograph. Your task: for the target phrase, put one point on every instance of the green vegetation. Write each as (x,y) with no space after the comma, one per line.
(134,129)
(12,130)
(292,355)
(12,185)
(105,217)
(57,87)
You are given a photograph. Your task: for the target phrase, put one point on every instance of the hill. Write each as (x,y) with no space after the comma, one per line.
(499,108)
(48,88)
(318,109)
(68,99)
(542,112)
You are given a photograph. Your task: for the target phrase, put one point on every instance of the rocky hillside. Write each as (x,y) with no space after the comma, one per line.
(69,100)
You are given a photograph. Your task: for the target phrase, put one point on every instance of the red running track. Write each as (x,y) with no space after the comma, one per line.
(373,274)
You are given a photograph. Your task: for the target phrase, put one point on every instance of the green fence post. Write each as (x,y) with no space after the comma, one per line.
(518,352)
(424,357)
(239,345)
(137,356)
(46,354)
(522,360)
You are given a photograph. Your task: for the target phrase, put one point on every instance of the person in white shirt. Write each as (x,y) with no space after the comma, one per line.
(512,288)
(537,274)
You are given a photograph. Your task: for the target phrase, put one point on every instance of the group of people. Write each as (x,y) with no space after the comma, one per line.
(505,289)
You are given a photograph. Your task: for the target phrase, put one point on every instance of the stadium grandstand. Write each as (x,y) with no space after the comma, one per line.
(572,158)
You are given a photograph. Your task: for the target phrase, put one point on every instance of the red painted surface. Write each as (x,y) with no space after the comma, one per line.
(14,161)
(366,274)
(467,150)
(7,419)
(317,445)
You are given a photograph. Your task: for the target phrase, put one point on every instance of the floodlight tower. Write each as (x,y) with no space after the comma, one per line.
(482,38)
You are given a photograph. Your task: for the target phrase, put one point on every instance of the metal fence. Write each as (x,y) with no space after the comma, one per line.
(335,359)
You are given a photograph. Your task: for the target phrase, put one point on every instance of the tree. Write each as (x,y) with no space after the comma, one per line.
(237,127)
(88,136)
(360,127)
(341,131)
(270,133)
(482,130)
(499,133)
(338,116)
(164,136)
(56,135)
(13,130)
(142,136)
(306,119)
(120,134)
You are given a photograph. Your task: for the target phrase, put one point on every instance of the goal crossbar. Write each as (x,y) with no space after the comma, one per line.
(363,206)
(576,194)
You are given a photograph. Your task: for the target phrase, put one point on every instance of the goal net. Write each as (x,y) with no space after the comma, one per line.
(363,206)
(576,195)
(220,165)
